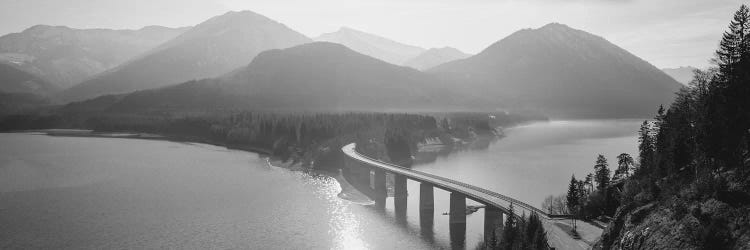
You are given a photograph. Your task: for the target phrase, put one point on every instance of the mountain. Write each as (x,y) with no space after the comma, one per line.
(66,56)
(682,74)
(372,45)
(318,76)
(563,72)
(434,57)
(14,80)
(21,103)
(212,48)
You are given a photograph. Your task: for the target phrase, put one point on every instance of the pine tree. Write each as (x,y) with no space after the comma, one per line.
(573,197)
(659,117)
(522,240)
(645,145)
(537,235)
(601,173)
(733,45)
(509,230)
(728,113)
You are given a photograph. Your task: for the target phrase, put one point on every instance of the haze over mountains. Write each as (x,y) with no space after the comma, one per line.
(565,72)
(65,56)
(554,70)
(214,47)
(318,76)
(372,45)
(14,80)
(434,57)
(681,74)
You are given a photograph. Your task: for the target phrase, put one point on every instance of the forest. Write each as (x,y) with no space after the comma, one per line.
(522,232)
(691,172)
(311,140)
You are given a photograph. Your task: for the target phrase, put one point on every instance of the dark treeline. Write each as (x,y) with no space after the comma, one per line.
(692,163)
(306,139)
(526,232)
(300,138)
(696,151)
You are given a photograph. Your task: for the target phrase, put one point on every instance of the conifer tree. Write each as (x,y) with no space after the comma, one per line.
(645,145)
(509,230)
(601,173)
(573,197)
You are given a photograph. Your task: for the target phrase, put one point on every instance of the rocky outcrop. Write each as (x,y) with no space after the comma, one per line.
(676,224)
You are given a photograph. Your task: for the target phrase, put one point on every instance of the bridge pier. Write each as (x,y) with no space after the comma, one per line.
(457,235)
(400,204)
(458,208)
(493,223)
(399,189)
(399,197)
(457,220)
(426,199)
(367,171)
(379,183)
(426,210)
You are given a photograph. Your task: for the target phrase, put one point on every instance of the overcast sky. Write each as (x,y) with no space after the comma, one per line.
(667,33)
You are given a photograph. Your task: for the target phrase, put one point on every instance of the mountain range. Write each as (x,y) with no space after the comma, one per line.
(65,56)
(212,48)
(565,72)
(245,60)
(372,45)
(317,76)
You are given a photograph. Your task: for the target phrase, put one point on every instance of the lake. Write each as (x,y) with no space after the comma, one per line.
(68,192)
(104,193)
(538,159)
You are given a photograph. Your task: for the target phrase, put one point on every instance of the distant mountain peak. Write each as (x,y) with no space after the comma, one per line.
(240,14)
(40,28)
(683,74)
(434,57)
(233,19)
(565,72)
(318,76)
(214,47)
(372,45)
(555,25)
(66,56)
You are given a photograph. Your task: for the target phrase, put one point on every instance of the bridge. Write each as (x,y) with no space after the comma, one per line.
(496,205)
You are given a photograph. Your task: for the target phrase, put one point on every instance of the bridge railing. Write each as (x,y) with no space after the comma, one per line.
(469,186)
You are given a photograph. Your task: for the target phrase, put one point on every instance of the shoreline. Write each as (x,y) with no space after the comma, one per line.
(348,192)
(136,135)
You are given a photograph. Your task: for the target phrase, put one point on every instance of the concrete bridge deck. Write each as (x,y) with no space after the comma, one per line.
(473,192)
(557,237)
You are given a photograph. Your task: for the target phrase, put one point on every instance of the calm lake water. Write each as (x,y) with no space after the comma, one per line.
(104,193)
(536,160)
(67,192)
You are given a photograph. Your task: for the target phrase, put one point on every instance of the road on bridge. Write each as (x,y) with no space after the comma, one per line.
(557,237)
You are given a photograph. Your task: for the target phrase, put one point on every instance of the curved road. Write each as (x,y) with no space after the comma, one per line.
(557,237)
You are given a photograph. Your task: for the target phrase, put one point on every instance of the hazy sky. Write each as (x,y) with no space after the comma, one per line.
(667,33)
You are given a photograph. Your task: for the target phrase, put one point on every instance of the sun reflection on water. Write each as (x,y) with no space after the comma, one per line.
(344,225)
